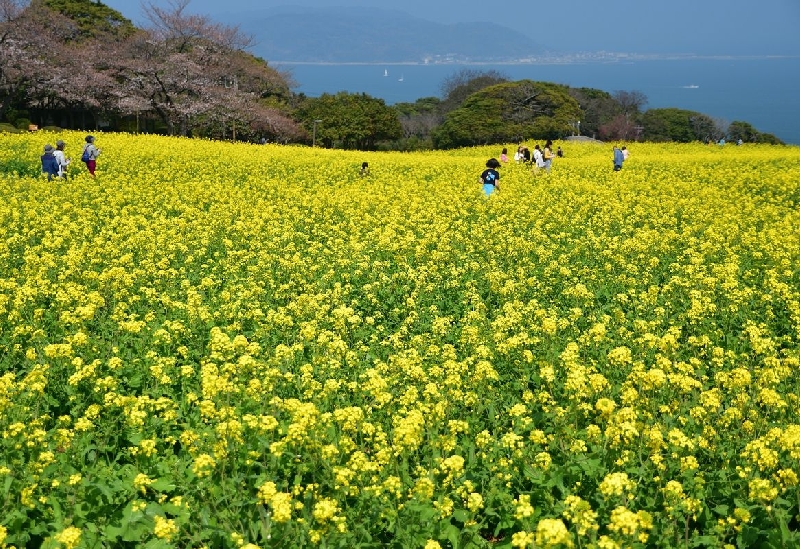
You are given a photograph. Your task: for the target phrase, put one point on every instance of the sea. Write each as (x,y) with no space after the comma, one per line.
(763,91)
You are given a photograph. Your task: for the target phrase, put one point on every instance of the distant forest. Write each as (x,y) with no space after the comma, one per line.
(79,64)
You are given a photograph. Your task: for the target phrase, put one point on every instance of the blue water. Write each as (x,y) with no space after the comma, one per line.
(764,92)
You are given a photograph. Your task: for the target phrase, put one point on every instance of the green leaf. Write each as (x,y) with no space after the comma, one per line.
(453,534)
(162,485)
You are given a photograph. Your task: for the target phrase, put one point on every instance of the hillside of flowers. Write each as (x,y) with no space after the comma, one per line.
(238,346)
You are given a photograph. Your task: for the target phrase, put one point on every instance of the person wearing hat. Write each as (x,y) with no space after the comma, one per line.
(61,158)
(490,177)
(90,153)
(49,163)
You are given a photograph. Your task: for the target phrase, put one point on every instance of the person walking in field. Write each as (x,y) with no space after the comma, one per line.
(62,159)
(49,163)
(538,158)
(90,154)
(490,177)
(548,155)
(619,158)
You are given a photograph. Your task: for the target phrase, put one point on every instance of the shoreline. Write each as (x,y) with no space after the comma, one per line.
(567,59)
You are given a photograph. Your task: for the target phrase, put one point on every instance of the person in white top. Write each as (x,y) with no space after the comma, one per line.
(61,159)
(538,159)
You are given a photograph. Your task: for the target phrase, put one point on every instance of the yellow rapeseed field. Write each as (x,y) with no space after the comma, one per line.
(231,345)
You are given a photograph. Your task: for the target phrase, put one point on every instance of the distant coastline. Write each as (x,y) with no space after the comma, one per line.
(547,59)
(723,87)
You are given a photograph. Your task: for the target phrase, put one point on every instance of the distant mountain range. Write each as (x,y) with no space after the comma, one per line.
(375,35)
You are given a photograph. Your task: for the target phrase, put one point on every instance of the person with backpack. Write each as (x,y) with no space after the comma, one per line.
(90,154)
(49,163)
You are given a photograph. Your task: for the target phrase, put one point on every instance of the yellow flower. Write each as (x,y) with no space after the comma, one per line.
(553,533)
(164,528)
(141,482)
(522,539)
(69,537)
(616,484)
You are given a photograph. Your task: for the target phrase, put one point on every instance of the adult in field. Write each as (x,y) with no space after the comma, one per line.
(619,158)
(548,155)
(538,158)
(490,177)
(61,158)
(90,153)
(49,163)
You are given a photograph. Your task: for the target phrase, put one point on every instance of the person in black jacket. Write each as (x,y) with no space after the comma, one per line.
(49,163)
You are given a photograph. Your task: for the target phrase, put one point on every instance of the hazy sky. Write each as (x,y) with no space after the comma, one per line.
(711,27)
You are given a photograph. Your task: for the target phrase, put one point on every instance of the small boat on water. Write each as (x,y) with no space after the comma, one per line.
(691,87)
(400,79)
(385,72)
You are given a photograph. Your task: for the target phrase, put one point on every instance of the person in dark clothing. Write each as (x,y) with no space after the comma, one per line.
(49,163)
(490,177)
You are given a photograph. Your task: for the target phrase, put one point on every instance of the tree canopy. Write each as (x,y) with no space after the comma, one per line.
(510,112)
(350,120)
(185,74)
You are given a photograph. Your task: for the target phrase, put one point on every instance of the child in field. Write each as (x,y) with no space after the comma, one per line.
(490,177)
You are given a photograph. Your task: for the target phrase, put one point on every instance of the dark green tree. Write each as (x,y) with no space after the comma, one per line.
(458,86)
(90,19)
(597,109)
(349,120)
(748,134)
(678,125)
(510,112)
(744,131)
(418,120)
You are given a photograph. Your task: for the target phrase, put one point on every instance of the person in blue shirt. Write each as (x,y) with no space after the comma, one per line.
(49,163)
(619,158)
(490,177)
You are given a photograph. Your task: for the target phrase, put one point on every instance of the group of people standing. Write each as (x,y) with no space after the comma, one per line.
(541,159)
(55,161)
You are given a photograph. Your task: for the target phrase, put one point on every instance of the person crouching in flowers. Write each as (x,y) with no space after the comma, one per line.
(490,177)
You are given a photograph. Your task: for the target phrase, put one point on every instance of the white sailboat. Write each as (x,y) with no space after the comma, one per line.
(400,79)
(385,72)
